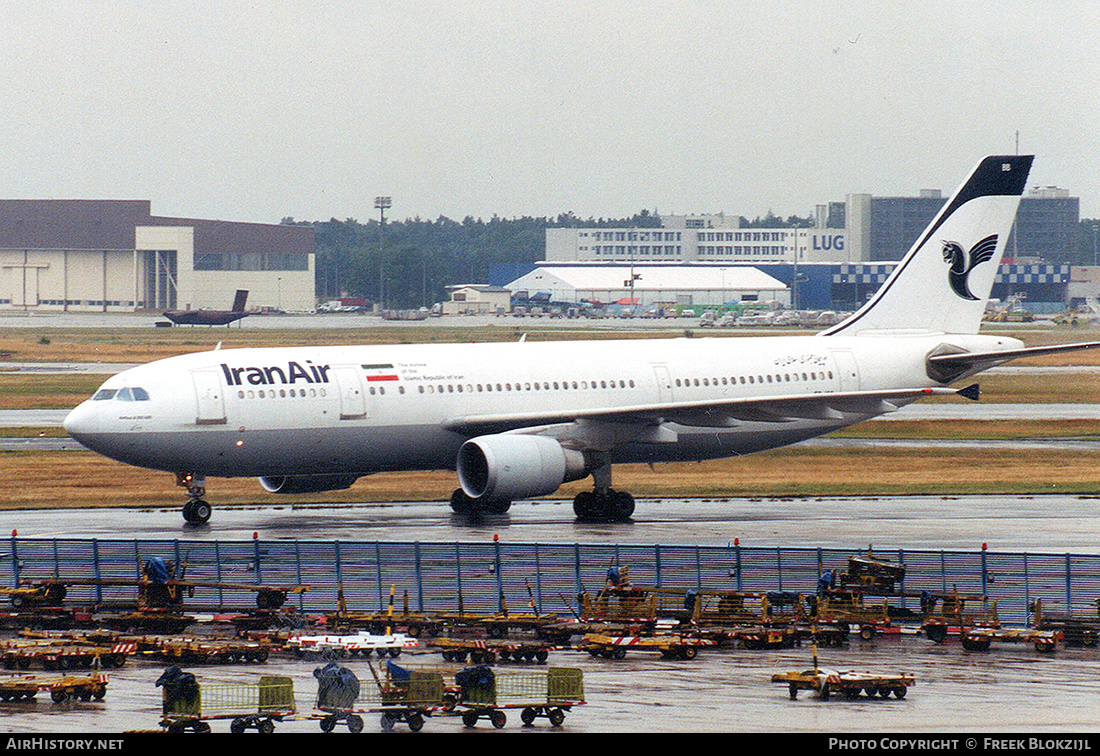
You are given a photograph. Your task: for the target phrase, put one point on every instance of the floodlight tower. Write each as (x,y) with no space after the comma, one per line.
(383,204)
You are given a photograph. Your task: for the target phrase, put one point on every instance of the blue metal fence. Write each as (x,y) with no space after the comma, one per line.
(434,576)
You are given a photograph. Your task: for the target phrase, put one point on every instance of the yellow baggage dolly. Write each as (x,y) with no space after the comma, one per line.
(548,693)
(74,687)
(672,646)
(255,705)
(399,695)
(848,683)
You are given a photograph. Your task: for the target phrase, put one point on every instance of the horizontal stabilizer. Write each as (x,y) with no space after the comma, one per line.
(959,363)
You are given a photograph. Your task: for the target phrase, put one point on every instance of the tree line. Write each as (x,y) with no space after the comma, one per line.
(411,263)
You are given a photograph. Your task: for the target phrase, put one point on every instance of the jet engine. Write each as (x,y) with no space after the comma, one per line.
(299,484)
(503,467)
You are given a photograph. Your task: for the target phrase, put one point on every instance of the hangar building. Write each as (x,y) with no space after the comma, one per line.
(115,256)
(686,284)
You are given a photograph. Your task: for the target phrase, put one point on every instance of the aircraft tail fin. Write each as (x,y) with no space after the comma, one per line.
(943,283)
(239,300)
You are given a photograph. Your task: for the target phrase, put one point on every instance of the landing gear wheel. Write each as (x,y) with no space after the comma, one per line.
(197,512)
(603,506)
(622,506)
(461,503)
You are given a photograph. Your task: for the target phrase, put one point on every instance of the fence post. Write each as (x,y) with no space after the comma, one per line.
(256,552)
(985,573)
(538,582)
(14,558)
(458,577)
(298,573)
(737,562)
(419,579)
(901,561)
(577,569)
(218,570)
(377,571)
(496,569)
(1069,588)
(96,572)
(1027,593)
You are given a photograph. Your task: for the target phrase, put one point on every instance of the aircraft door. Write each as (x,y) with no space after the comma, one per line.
(210,396)
(664,383)
(353,403)
(847,370)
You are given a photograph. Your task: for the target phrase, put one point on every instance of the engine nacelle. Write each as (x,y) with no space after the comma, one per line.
(299,484)
(505,467)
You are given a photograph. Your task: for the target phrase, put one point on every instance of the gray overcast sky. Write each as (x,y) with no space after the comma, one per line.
(253,111)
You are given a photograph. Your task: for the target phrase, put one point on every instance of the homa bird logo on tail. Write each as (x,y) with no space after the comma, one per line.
(962,262)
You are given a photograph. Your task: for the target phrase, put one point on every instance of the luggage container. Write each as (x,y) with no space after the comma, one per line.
(191,705)
(398,695)
(481,693)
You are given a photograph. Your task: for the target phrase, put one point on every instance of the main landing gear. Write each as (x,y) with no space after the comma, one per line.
(603,503)
(603,506)
(196,511)
(464,505)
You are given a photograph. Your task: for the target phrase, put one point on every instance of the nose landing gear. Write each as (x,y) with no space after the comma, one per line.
(196,511)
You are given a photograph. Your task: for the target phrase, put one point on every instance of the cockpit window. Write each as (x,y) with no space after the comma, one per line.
(103,395)
(132,394)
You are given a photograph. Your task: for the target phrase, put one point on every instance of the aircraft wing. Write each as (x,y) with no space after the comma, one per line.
(714,413)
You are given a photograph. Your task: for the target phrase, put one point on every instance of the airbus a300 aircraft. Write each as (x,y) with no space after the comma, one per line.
(518,420)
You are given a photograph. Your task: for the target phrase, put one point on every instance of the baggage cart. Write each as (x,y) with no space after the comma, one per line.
(337,646)
(548,693)
(980,639)
(1079,625)
(487,651)
(399,695)
(255,705)
(675,646)
(953,612)
(847,683)
(64,688)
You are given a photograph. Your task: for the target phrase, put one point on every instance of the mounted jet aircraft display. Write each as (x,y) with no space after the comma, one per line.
(211,317)
(517,420)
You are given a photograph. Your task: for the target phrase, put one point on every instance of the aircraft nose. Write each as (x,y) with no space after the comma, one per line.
(80,423)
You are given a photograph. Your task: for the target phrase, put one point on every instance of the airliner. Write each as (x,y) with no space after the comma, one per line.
(517,420)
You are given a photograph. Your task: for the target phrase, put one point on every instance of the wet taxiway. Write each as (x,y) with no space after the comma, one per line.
(1049,523)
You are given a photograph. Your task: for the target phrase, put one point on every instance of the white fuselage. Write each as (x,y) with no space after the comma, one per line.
(363,409)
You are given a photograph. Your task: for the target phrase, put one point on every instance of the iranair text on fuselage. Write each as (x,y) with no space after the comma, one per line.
(267,375)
